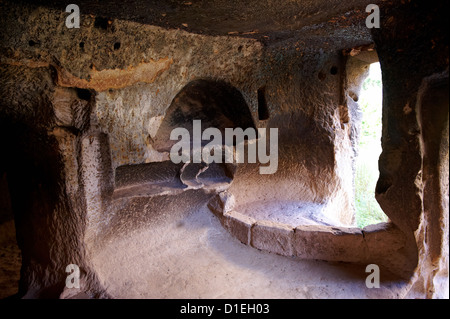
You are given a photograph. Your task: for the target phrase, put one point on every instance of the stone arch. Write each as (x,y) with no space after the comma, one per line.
(216,103)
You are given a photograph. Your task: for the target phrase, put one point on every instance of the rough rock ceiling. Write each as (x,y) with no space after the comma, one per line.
(262,19)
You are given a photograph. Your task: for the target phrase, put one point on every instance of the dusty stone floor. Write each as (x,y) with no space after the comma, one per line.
(189,255)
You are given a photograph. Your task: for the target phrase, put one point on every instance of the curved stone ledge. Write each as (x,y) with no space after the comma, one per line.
(329,243)
(240,226)
(274,237)
(379,243)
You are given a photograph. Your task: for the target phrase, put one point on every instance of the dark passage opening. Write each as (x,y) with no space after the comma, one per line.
(10,255)
(216,103)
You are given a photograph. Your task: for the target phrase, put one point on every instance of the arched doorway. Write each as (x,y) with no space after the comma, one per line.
(216,103)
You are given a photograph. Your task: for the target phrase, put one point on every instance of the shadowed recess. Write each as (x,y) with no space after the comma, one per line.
(216,103)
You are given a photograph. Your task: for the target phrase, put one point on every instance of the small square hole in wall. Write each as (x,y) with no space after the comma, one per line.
(263,111)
